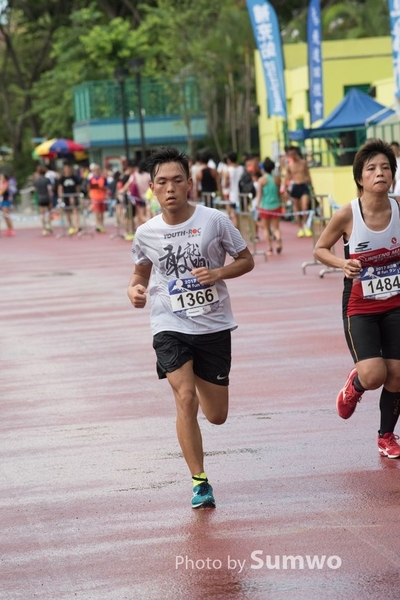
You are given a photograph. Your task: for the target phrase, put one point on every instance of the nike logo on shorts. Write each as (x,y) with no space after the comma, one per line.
(219,377)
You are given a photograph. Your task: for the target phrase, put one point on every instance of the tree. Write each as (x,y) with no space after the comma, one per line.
(213,43)
(87,49)
(27,30)
(49,46)
(348,20)
(341,20)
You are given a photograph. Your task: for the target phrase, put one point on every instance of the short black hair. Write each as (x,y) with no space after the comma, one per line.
(268,165)
(370,149)
(296,149)
(204,157)
(143,166)
(166,154)
(232,156)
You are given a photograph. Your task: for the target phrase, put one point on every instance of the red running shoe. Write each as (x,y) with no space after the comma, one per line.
(388,446)
(348,397)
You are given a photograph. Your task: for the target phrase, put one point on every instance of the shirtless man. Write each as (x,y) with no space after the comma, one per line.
(298,180)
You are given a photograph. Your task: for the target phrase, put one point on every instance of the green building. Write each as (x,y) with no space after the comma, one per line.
(171,115)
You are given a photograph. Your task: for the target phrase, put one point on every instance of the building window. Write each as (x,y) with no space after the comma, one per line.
(362,87)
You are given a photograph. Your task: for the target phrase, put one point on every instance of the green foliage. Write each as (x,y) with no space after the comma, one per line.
(212,42)
(342,20)
(113,44)
(50,46)
(53,95)
(88,49)
(348,20)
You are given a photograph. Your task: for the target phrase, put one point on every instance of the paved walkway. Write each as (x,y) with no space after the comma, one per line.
(95,497)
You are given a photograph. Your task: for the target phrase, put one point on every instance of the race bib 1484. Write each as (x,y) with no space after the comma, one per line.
(380,282)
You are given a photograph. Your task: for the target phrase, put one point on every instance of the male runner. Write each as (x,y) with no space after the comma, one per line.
(180,263)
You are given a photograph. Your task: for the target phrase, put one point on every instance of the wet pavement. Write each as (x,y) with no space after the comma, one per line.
(95,496)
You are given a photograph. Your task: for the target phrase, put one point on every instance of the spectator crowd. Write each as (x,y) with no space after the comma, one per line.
(267,188)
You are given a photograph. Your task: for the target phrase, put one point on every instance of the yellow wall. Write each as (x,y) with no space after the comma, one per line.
(345,62)
(337,182)
(385,91)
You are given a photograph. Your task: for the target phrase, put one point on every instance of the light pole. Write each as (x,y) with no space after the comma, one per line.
(120,75)
(136,64)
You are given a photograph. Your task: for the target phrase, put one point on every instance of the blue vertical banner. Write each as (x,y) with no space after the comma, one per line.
(394,12)
(314,43)
(268,39)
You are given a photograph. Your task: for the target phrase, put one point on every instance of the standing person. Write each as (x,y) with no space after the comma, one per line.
(208,181)
(248,185)
(6,204)
(52,175)
(12,187)
(128,201)
(180,264)
(370,227)
(223,175)
(141,179)
(113,188)
(44,192)
(97,184)
(248,179)
(270,206)
(298,182)
(195,167)
(235,172)
(395,189)
(68,191)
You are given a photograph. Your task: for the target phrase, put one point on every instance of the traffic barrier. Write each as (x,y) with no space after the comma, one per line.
(317,223)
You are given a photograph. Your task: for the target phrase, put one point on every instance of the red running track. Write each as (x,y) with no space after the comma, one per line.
(95,497)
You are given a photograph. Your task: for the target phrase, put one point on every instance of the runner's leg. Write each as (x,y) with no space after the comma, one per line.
(182,382)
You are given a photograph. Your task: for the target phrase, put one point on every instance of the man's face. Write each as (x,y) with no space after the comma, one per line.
(171,187)
(249,166)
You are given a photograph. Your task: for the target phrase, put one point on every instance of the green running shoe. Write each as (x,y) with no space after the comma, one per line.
(203,496)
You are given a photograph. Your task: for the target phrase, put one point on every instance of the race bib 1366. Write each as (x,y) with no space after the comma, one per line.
(190,297)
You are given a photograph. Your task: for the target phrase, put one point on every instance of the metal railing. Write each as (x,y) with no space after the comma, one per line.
(319,220)
(246,217)
(102,99)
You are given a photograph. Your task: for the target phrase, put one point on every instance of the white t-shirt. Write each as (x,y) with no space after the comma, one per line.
(235,174)
(396,185)
(178,301)
(142,181)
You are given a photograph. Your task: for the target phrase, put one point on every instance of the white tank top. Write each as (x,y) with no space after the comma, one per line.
(378,287)
(374,247)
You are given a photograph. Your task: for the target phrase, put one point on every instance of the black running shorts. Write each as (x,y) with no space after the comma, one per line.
(71,201)
(298,190)
(374,335)
(210,353)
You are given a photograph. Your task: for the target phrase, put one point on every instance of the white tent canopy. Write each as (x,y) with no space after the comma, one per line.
(388,129)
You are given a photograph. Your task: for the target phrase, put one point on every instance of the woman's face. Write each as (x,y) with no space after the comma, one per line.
(376,176)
